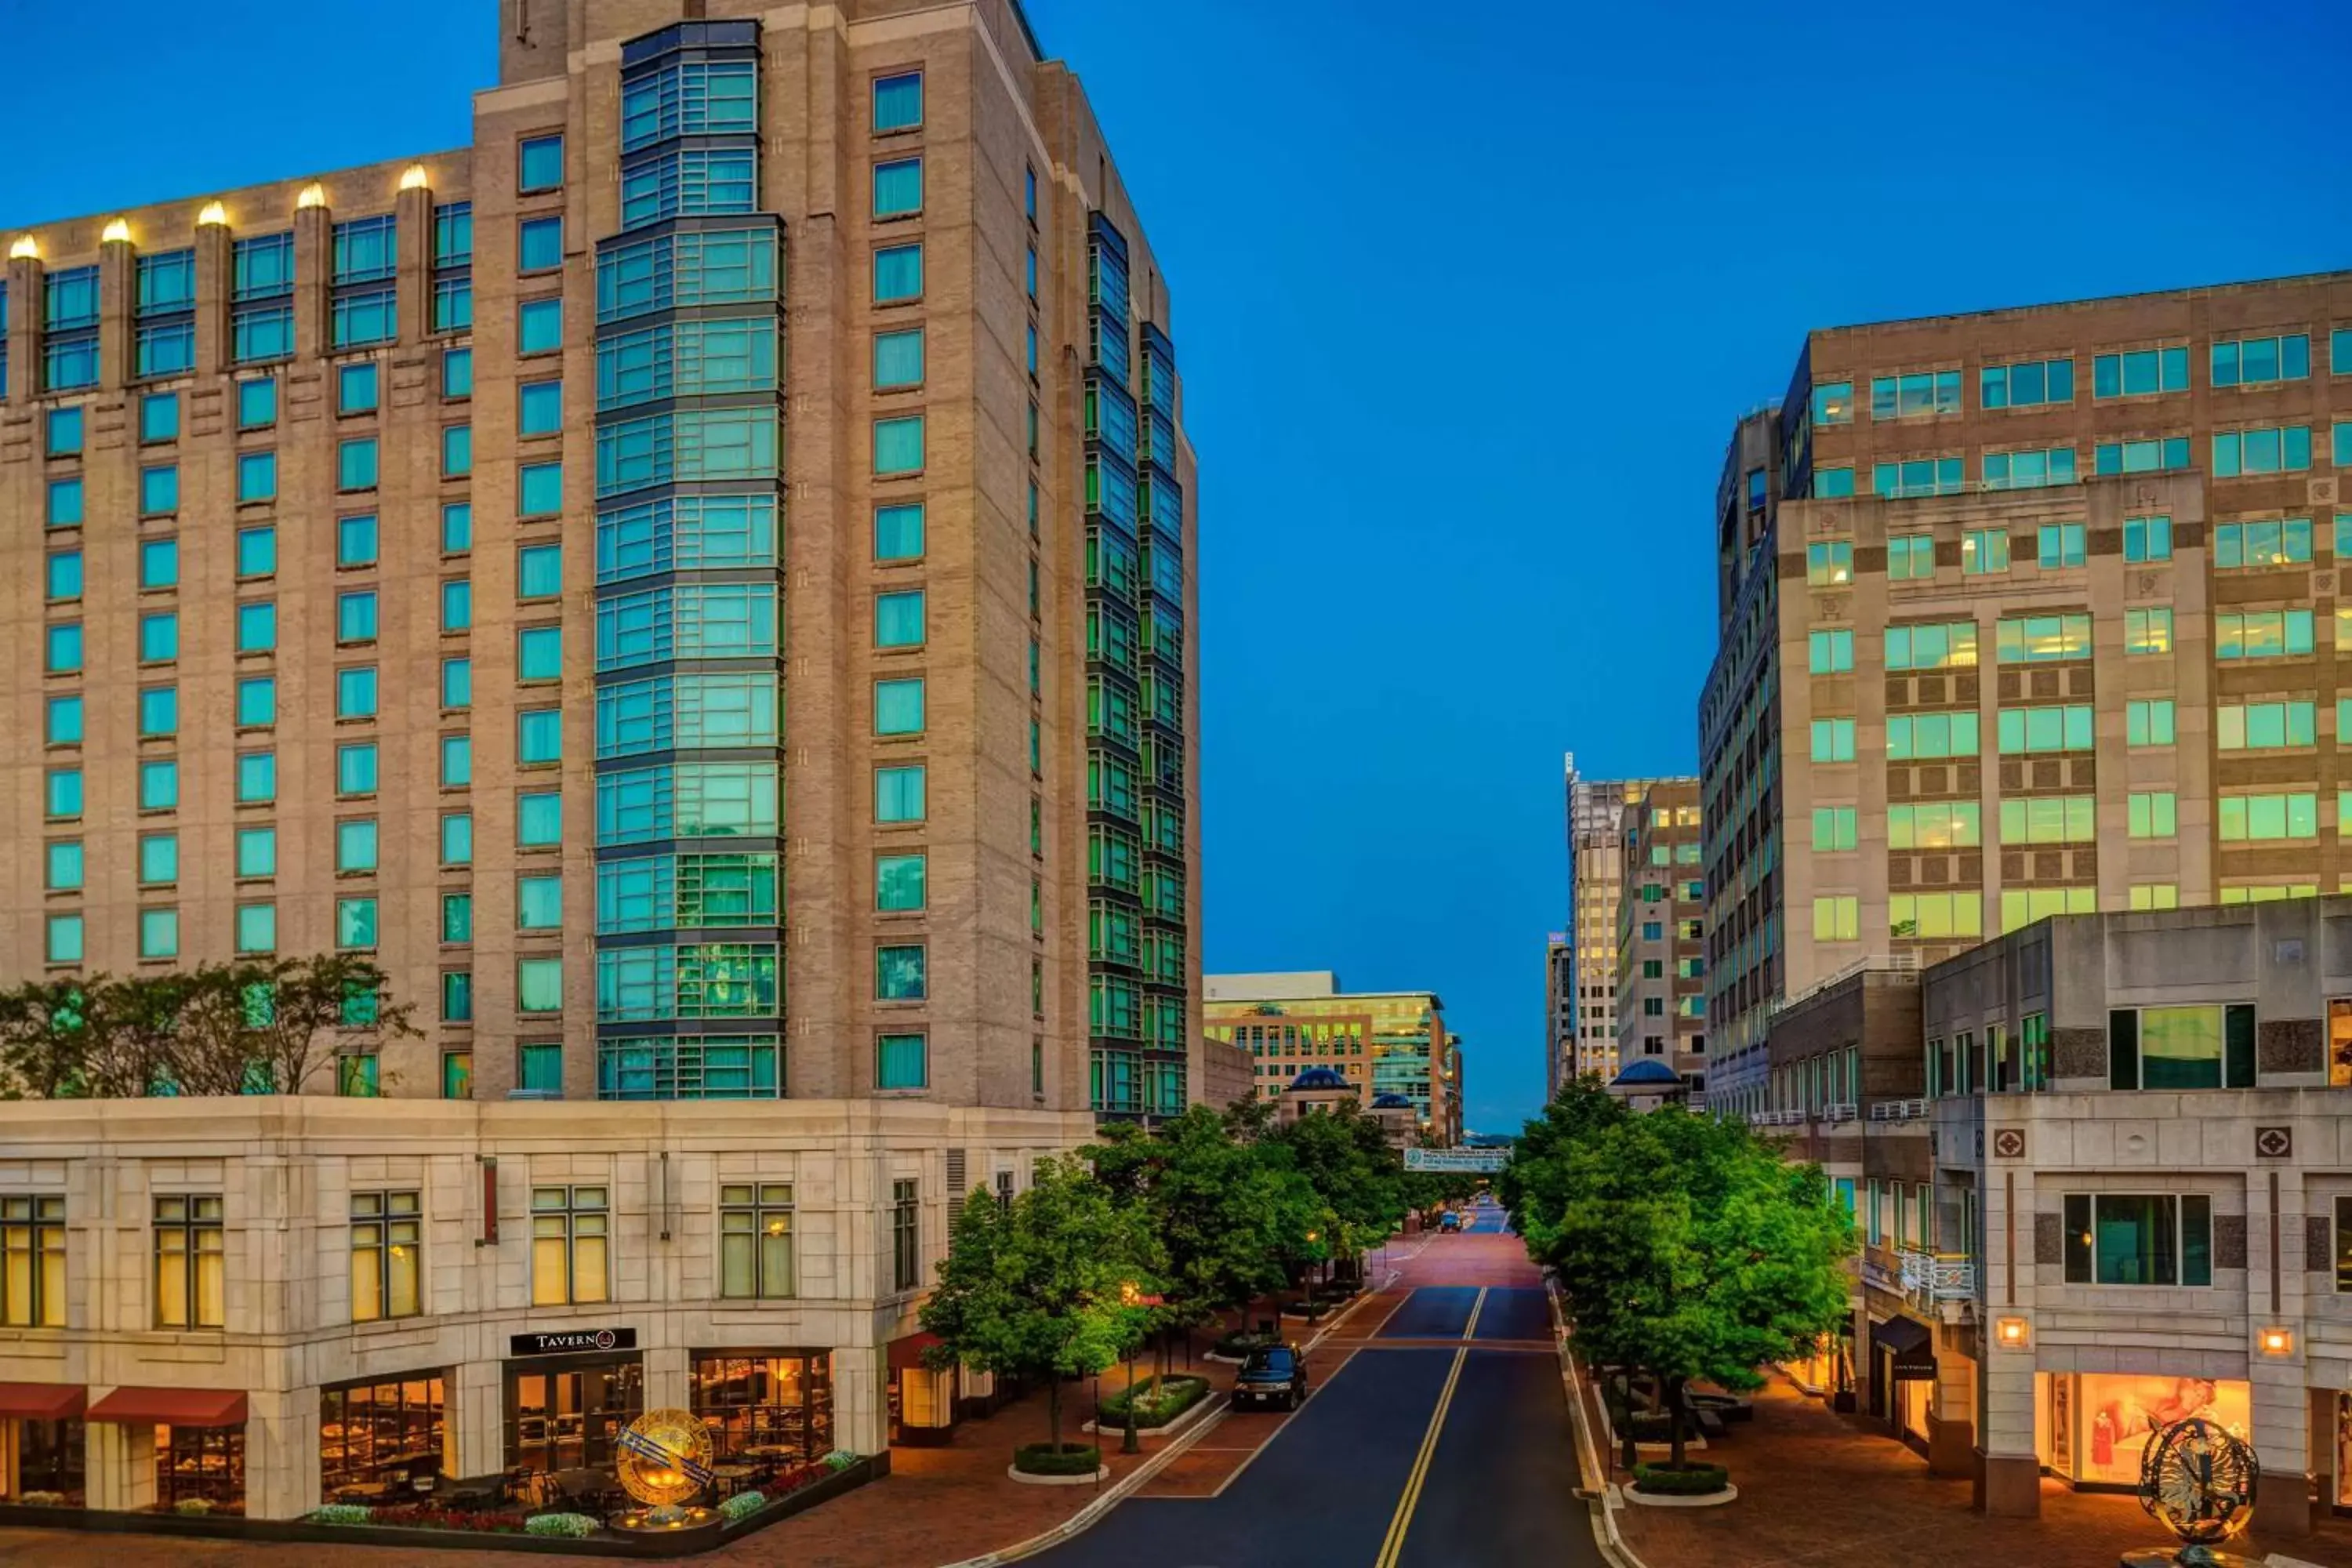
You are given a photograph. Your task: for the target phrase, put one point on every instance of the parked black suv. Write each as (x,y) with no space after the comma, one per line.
(1275,1375)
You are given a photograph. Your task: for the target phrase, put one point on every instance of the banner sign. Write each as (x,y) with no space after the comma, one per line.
(1480,1161)
(572,1340)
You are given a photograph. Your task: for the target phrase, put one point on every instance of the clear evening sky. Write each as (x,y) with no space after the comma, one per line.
(1466,299)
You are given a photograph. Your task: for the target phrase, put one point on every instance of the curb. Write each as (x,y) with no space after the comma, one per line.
(1605,1497)
(1135,1480)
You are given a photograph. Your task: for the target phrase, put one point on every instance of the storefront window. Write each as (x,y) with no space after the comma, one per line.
(379,1435)
(206,1462)
(49,1460)
(562,1418)
(2343,1450)
(2118,1413)
(782,1405)
(2340,1042)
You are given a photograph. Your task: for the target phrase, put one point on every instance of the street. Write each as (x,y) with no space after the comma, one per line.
(1437,1436)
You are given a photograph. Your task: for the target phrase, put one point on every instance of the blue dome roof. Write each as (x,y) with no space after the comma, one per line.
(1645,1072)
(1318,1078)
(1391,1102)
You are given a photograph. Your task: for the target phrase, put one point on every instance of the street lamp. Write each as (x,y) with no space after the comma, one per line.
(1129,1296)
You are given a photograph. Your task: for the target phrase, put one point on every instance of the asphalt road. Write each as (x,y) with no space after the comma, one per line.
(1345,1483)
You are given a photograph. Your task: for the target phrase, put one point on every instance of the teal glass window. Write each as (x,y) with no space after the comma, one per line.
(2140,372)
(257,625)
(356,691)
(1917,477)
(257,777)
(159,637)
(458,849)
(898,707)
(899,973)
(898,883)
(539,164)
(366,250)
(260,333)
(898,273)
(159,563)
(62,649)
(457,451)
(62,723)
(355,922)
(355,843)
(540,489)
(64,944)
(898,446)
(898,187)
(453,235)
(257,702)
(539,244)
(2282,449)
(539,987)
(257,403)
(64,574)
(456,527)
(901,1061)
(899,102)
(356,540)
(539,572)
(688,182)
(457,604)
(62,792)
(539,1067)
(65,508)
(539,819)
(899,619)
(457,761)
(457,683)
(159,933)
(2250,362)
(355,464)
(158,490)
(2147,539)
(898,359)
(899,793)
(159,857)
(539,904)
(539,736)
(355,616)
(453,303)
(457,374)
(538,653)
(257,552)
(2143,457)
(257,851)
(1029,192)
(370,316)
(457,1007)
(2029,384)
(159,417)
(159,785)
(257,477)
(539,325)
(356,389)
(355,768)
(899,531)
(65,865)
(256,928)
(539,409)
(159,711)
(64,428)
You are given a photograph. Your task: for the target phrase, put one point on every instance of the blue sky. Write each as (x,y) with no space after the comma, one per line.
(1467,299)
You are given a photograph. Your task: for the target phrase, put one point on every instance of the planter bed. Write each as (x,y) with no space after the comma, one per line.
(1155,1411)
(219,1527)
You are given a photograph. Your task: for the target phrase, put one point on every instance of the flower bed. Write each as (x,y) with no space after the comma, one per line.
(1156,1407)
(1236,1345)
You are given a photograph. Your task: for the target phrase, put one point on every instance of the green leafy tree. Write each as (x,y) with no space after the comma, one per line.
(1249,1120)
(45,1037)
(1535,1185)
(1357,1177)
(1041,1288)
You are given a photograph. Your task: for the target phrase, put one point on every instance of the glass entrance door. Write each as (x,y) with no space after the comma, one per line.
(570,1417)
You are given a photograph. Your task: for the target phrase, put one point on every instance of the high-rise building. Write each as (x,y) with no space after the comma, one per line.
(1559,1009)
(1596,859)
(420,561)
(1388,1042)
(2025,611)
(1661,980)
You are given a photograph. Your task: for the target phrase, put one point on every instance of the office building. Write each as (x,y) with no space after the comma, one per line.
(2024,612)
(2140,1158)
(1560,1010)
(1383,1042)
(1661,980)
(1596,862)
(420,561)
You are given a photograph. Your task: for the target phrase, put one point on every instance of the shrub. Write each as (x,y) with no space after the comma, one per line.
(1239,1344)
(193,1507)
(1156,1406)
(572,1526)
(42,1500)
(840,1460)
(742,1505)
(1044,1459)
(342,1514)
(428,1516)
(1693,1479)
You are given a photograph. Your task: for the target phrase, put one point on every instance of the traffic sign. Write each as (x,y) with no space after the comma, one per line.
(1484,1162)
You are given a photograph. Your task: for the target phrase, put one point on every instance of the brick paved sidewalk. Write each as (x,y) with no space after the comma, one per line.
(1818,1490)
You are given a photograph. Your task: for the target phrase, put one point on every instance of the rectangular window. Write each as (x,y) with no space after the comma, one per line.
(356,464)
(539,986)
(899,973)
(2032,468)
(1837,918)
(539,736)
(899,102)
(2147,539)
(1984,550)
(2262,633)
(899,188)
(1910,556)
(2149,722)
(1947,645)
(2148,630)
(1834,481)
(898,446)
(2148,456)
(897,273)
(2025,730)
(898,707)
(257,777)
(159,858)
(2049,819)
(1912,737)
(2155,815)
(2279,450)
(388,1264)
(2116,1238)
(2028,384)
(1833,740)
(2258,818)
(906,1236)
(2285,542)
(539,325)
(33,1261)
(2041,639)
(755,1242)
(2139,373)
(899,531)
(1935,916)
(2259,726)
(458,849)
(570,1234)
(191,1262)
(898,359)
(899,793)
(1926,392)
(901,1061)
(539,166)
(2251,361)
(1831,651)
(1914,476)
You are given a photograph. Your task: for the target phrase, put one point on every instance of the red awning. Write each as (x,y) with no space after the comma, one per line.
(41,1401)
(909,1352)
(172,1407)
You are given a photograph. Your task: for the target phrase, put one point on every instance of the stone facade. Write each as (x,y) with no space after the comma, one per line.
(1660,974)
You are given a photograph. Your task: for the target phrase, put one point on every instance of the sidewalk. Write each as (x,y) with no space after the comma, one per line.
(1819,1489)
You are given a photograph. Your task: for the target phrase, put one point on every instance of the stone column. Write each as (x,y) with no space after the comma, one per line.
(861,1410)
(281,1454)
(314,261)
(2013,1471)
(475,1423)
(2277,1376)
(666,1378)
(1951,1416)
(216,281)
(118,294)
(25,286)
(119,1462)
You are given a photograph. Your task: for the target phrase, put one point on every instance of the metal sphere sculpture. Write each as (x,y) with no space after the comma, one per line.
(664,1457)
(2197,1481)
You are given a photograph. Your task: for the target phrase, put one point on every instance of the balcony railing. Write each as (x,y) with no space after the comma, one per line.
(1939,1276)
(1898,1110)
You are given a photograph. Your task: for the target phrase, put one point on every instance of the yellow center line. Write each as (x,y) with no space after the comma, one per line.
(1470,1329)
(1393,1545)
